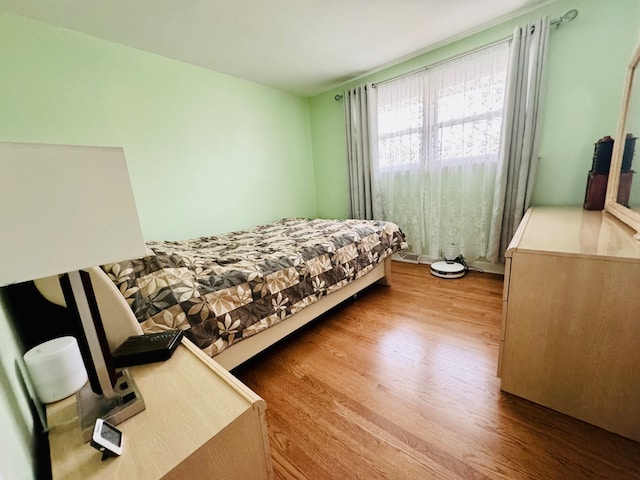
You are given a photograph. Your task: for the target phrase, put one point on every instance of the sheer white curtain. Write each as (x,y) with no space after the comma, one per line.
(438,144)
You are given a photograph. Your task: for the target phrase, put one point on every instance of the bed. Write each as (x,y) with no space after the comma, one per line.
(236,294)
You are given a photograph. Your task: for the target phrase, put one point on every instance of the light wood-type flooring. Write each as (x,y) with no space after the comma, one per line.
(400,383)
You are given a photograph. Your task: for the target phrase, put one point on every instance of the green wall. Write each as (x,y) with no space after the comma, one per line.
(17,454)
(207,152)
(586,66)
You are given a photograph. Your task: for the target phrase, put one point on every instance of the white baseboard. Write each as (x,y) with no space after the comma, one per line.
(480,265)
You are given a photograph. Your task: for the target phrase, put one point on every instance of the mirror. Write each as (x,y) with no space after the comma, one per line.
(623,190)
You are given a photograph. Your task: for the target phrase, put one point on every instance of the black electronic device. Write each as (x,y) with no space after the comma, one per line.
(148,348)
(106,438)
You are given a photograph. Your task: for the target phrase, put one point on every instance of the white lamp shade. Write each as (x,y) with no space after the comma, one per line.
(64,208)
(56,369)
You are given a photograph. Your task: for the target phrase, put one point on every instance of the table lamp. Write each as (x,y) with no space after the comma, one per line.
(63,209)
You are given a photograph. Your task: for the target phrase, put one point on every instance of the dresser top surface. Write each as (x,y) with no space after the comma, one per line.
(575,231)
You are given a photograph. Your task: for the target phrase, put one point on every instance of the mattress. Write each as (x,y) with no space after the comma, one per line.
(224,288)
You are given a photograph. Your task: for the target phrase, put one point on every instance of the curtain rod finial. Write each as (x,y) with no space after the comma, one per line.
(566,18)
(337,98)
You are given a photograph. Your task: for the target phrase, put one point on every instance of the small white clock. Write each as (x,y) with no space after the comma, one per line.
(107,438)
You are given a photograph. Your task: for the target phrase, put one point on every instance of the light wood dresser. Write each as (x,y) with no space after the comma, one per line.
(571,317)
(199,422)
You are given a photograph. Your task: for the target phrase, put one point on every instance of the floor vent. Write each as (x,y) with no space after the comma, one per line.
(407,257)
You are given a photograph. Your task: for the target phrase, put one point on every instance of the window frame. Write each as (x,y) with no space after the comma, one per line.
(436,128)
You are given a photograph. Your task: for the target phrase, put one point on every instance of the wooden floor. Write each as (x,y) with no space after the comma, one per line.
(400,384)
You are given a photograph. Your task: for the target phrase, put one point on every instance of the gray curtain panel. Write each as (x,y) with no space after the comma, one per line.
(517,168)
(357,111)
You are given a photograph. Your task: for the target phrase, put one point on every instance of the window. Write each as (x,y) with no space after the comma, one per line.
(445,116)
(438,149)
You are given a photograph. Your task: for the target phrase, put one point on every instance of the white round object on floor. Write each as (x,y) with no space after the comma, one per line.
(447,269)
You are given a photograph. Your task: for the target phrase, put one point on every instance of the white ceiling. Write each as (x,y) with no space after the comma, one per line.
(302,46)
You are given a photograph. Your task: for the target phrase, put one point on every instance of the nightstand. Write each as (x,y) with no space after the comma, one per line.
(199,422)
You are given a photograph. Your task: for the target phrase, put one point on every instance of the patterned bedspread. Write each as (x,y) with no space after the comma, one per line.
(224,288)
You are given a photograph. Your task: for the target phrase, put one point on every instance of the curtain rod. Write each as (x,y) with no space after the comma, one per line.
(567,17)
(338,97)
(450,59)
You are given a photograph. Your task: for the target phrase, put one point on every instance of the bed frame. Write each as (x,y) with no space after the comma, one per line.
(242,351)
(120,322)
